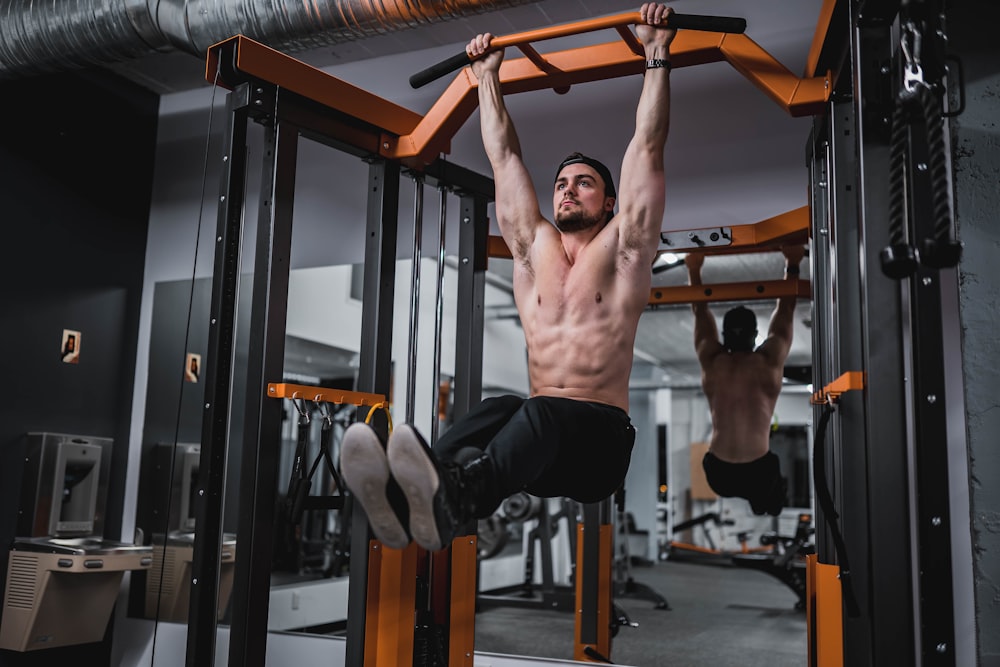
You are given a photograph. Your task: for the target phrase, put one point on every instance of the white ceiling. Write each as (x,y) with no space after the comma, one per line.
(733,157)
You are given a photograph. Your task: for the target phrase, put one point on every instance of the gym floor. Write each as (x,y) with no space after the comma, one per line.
(719,616)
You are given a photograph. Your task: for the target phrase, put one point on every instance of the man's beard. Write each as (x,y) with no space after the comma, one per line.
(578,220)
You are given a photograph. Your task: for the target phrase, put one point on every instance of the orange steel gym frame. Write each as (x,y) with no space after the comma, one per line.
(390,618)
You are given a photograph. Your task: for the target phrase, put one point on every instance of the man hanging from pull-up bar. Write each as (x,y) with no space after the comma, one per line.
(580,285)
(741,384)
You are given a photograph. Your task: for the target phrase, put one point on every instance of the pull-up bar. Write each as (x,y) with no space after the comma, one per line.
(377,126)
(620,22)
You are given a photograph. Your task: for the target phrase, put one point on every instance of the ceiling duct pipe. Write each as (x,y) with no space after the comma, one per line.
(38,37)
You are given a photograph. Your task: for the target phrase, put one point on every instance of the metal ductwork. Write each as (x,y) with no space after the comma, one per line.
(56,35)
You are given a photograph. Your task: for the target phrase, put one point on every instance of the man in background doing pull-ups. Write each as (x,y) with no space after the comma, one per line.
(742,384)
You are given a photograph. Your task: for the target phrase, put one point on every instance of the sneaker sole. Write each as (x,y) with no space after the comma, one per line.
(416,474)
(366,473)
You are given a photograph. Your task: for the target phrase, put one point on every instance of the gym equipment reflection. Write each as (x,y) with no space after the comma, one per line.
(168,583)
(62,576)
(787,561)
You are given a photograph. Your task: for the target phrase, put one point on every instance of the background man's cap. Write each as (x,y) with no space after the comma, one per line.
(739,321)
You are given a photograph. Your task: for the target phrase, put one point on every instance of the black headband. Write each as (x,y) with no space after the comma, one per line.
(596,165)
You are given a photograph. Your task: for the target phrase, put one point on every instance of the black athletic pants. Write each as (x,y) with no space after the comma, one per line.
(548,447)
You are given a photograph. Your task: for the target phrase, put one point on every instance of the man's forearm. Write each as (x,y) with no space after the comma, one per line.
(652,117)
(499,136)
(784,312)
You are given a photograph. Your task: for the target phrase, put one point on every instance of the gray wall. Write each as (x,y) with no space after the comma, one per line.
(75,239)
(976,144)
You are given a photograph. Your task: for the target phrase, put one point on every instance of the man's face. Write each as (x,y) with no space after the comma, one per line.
(578,198)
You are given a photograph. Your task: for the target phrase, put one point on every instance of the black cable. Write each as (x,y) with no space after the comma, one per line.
(830,515)
(187,337)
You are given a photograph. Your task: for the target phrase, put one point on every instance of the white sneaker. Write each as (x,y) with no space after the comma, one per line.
(365,470)
(415,472)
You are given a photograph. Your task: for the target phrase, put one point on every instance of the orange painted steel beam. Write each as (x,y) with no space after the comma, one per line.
(749,291)
(819,38)
(567,29)
(788,228)
(321,395)
(462,621)
(497,248)
(849,381)
(267,64)
(604,599)
(824,614)
(562,69)
(391,590)
(364,118)
(694,547)
(798,96)
(784,229)
(416,140)
(373,593)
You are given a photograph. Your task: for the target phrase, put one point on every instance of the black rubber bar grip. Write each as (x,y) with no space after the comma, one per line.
(677,21)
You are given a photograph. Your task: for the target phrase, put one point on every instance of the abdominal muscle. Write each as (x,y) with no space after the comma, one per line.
(581,363)
(580,327)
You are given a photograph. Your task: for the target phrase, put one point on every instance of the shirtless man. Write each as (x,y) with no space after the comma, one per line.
(580,285)
(742,385)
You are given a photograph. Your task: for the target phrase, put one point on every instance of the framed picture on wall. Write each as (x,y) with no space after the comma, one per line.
(70,349)
(192,367)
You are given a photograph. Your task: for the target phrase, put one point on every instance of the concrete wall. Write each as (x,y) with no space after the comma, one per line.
(976,148)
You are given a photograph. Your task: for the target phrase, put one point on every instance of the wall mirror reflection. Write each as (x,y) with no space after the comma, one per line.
(211,312)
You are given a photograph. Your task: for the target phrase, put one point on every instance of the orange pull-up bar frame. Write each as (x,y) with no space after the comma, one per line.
(417,141)
(749,291)
(791,228)
(561,69)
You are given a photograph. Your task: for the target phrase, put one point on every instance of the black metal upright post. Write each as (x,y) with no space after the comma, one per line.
(473,237)
(889,445)
(202,614)
(891,635)
(262,415)
(928,168)
(374,374)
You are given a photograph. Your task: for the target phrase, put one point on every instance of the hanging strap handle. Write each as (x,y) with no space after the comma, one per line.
(302,500)
(298,485)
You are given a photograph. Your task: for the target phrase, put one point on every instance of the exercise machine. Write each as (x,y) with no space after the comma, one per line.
(787,563)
